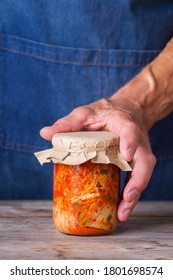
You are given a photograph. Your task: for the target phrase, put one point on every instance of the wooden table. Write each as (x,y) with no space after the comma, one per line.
(27,232)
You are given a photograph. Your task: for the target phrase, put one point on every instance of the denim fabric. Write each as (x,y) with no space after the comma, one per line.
(57,55)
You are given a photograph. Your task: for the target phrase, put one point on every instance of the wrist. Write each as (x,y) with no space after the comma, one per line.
(152,89)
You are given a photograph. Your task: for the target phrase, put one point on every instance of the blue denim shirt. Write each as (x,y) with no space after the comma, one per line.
(59,54)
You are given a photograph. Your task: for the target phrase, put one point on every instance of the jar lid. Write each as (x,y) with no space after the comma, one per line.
(74,148)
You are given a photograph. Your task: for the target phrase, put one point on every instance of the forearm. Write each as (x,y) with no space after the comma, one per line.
(152,89)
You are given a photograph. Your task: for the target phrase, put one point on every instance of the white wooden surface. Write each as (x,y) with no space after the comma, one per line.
(27,232)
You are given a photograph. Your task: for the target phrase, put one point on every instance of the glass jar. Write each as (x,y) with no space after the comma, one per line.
(85,198)
(86,181)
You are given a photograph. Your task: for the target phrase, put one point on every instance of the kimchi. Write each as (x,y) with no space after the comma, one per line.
(85,198)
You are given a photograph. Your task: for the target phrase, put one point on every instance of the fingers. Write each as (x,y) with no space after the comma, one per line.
(75,121)
(127,130)
(89,117)
(125,209)
(129,140)
(140,176)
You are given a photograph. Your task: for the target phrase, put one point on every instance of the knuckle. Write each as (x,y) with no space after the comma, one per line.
(81,112)
(142,183)
(131,129)
(152,160)
(130,133)
(134,126)
(106,103)
(131,141)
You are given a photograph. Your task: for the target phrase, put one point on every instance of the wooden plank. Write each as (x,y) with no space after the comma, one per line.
(22,208)
(27,232)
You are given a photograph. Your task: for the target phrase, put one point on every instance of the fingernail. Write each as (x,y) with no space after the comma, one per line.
(126,214)
(132,195)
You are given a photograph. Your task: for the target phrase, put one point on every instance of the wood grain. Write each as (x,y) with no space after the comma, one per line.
(27,232)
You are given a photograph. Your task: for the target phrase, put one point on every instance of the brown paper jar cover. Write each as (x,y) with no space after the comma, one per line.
(78,147)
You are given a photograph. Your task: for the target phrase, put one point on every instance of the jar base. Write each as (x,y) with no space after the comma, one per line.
(83,231)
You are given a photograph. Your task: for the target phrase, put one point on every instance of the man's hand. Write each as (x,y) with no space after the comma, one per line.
(123,117)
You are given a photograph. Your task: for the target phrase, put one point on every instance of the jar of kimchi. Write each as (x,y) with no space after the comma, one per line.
(86,181)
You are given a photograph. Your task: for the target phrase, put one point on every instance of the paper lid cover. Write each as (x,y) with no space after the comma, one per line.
(74,148)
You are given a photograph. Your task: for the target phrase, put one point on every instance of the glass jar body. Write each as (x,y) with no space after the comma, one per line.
(86,198)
